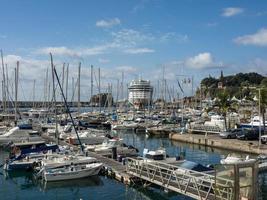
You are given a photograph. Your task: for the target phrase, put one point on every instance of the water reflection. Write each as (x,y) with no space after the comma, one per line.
(80,183)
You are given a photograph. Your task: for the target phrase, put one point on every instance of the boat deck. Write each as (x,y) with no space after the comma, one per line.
(112,167)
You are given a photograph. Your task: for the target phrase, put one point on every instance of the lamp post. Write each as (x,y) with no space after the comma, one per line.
(259,117)
(259,99)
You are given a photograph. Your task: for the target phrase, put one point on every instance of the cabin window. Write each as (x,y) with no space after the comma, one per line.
(155,157)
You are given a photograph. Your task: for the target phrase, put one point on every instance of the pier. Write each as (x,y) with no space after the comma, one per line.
(215,141)
(224,184)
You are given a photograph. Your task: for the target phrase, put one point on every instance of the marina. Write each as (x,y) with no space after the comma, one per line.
(133,100)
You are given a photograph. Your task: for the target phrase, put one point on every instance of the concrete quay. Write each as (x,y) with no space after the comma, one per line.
(217,142)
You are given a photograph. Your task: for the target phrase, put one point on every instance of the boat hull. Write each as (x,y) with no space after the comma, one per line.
(70,175)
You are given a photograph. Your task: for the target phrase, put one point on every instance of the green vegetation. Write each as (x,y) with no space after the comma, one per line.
(238,85)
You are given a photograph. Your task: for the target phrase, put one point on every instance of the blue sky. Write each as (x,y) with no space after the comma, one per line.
(139,38)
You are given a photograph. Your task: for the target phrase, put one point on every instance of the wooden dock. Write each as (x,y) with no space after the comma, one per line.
(112,167)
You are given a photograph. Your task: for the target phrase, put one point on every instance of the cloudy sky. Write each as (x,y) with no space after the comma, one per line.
(141,38)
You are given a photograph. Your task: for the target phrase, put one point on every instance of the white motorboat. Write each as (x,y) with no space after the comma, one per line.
(66,160)
(106,148)
(16,135)
(216,121)
(89,137)
(160,155)
(72,172)
(256,122)
(235,159)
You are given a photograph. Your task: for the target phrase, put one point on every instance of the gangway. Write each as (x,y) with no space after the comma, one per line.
(197,185)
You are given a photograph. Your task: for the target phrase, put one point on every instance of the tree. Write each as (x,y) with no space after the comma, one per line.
(224,104)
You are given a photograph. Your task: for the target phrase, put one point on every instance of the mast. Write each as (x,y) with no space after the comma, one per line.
(92,82)
(16,91)
(67,108)
(33,94)
(122,82)
(4,84)
(63,76)
(7,90)
(100,97)
(79,87)
(54,93)
(67,82)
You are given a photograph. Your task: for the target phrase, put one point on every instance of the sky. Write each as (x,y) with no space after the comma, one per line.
(148,39)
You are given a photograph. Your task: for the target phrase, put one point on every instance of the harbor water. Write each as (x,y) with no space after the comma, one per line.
(22,185)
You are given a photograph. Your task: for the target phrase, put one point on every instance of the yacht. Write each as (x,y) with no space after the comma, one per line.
(72,172)
(160,155)
(107,146)
(16,135)
(235,159)
(256,121)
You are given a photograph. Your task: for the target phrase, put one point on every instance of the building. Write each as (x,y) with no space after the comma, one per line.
(140,93)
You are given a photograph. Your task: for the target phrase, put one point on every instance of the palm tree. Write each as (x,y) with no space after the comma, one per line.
(224,104)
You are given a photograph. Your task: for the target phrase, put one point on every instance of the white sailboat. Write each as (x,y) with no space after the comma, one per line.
(72,172)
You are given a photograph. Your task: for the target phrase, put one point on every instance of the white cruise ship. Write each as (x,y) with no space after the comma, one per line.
(140,93)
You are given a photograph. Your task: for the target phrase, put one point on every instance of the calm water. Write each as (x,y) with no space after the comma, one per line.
(24,186)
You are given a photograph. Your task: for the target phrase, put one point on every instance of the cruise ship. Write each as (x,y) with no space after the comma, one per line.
(140,93)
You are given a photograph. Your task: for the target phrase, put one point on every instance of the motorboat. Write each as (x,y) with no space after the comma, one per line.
(107,146)
(255,123)
(160,155)
(66,160)
(27,162)
(72,172)
(90,137)
(216,121)
(15,135)
(235,159)
(26,147)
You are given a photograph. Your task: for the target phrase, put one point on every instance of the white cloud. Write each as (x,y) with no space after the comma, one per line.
(139,51)
(103,60)
(173,37)
(127,69)
(259,38)
(108,23)
(232,11)
(130,38)
(78,52)
(201,61)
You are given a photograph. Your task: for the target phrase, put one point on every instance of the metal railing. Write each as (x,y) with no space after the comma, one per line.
(191,183)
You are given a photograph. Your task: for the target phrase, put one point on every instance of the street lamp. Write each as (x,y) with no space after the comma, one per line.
(259,99)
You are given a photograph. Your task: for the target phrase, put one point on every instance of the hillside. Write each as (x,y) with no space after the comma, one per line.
(236,85)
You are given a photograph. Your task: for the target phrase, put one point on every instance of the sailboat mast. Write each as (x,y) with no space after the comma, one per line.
(33,94)
(67,82)
(92,82)
(4,84)
(99,99)
(54,94)
(16,91)
(63,76)
(79,88)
